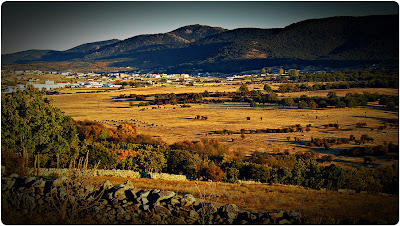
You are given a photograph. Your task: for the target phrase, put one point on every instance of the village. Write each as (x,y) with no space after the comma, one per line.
(12,80)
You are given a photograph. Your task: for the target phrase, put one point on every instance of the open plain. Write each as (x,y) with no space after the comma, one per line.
(172,123)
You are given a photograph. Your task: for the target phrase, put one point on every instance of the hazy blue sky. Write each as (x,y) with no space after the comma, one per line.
(63,25)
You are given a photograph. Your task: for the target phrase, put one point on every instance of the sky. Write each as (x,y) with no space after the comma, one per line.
(64,25)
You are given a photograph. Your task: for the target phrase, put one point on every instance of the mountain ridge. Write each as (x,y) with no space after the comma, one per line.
(334,41)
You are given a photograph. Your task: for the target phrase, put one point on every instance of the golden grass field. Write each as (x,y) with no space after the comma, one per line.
(264,198)
(173,123)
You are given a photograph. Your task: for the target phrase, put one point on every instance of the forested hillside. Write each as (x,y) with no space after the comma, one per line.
(332,42)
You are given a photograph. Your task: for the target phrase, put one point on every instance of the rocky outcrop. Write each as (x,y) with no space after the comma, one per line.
(124,203)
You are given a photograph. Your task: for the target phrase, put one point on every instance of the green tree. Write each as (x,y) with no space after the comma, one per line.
(149,160)
(32,125)
(303,104)
(181,162)
(253,104)
(243,89)
(273,98)
(288,101)
(340,104)
(103,134)
(312,105)
(293,72)
(267,88)
(232,175)
(334,176)
(263,71)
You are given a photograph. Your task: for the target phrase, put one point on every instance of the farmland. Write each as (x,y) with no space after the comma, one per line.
(171,123)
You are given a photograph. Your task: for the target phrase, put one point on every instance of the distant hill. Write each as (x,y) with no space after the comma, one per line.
(333,42)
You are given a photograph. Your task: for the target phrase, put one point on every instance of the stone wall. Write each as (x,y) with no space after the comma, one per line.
(123,204)
(115,173)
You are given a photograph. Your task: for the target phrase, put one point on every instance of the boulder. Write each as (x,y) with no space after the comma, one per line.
(163,195)
(175,201)
(294,215)
(276,214)
(160,210)
(194,214)
(144,201)
(120,194)
(106,185)
(229,208)
(59,181)
(188,200)
(39,183)
(143,193)
(284,221)
(14,175)
(207,210)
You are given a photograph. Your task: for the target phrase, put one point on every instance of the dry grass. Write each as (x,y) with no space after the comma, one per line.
(264,198)
(178,124)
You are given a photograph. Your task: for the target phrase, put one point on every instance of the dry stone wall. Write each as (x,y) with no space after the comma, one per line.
(124,203)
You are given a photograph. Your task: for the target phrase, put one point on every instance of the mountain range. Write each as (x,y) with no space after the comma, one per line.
(331,42)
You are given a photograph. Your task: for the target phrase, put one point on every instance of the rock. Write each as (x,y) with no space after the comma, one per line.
(194,214)
(163,195)
(112,211)
(121,213)
(276,214)
(284,221)
(160,210)
(144,201)
(231,216)
(229,208)
(266,221)
(176,220)
(59,181)
(118,186)
(39,183)
(157,218)
(207,210)
(28,203)
(143,193)
(14,175)
(39,190)
(188,200)
(294,214)
(182,213)
(128,217)
(8,184)
(131,193)
(175,201)
(106,185)
(120,194)
(254,216)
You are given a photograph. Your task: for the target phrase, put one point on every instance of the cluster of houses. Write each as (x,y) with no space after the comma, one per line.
(90,80)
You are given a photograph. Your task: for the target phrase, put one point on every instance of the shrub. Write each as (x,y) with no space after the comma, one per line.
(369,159)
(213,172)
(327,158)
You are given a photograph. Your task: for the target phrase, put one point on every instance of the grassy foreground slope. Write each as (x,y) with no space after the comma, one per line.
(264,198)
